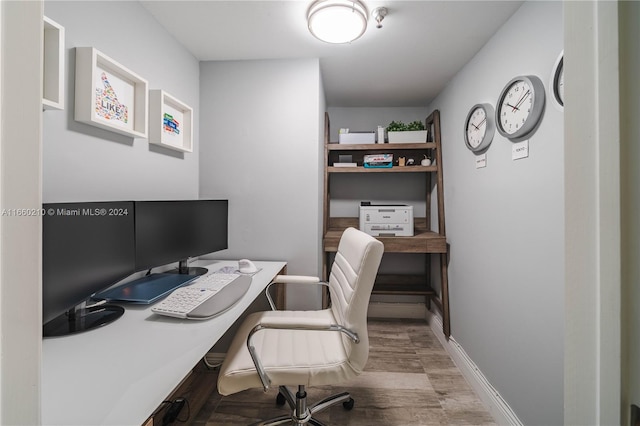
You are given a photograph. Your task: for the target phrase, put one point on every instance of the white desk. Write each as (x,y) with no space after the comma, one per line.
(120,373)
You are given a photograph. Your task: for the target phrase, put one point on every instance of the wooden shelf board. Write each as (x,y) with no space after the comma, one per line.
(394,169)
(335,146)
(422,242)
(403,289)
(402,284)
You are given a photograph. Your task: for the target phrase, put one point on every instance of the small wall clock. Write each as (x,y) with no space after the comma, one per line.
(479,127)
(520,107)
(557,81)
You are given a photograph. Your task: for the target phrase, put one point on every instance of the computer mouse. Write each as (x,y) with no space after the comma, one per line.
(245,266)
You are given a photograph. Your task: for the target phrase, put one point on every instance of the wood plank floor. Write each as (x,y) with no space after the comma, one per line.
(409,380)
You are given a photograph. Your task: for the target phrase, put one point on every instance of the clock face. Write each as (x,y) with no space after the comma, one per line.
(520,107)
(558,82)
(479,127)
(516,107)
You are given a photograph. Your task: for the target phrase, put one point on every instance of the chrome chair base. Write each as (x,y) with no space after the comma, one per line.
(301,414)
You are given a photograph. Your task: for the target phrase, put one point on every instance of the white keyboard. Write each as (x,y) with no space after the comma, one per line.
(213,282)
(205,297)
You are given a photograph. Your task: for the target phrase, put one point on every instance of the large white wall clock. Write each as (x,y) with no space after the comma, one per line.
(520,107)
(479,127)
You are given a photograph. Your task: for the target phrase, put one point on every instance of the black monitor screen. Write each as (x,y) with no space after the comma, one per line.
(86,247)
(172,231)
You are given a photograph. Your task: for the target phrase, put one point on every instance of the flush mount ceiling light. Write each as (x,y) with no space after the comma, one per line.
(337,21)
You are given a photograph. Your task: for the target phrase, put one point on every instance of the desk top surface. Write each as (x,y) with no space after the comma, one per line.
(120,373)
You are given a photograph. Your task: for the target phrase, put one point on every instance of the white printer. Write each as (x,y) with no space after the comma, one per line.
(386,220)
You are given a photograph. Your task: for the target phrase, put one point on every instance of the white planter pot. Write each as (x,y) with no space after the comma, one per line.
(409,136)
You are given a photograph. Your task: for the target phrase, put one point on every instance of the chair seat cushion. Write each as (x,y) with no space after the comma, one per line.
(290,357)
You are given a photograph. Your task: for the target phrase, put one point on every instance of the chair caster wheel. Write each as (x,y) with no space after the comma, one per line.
(280,399)
(348,404)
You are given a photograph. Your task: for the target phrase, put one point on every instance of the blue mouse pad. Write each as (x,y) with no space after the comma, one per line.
(147,289)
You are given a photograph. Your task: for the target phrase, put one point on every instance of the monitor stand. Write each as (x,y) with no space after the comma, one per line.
(81,318)
(184,268)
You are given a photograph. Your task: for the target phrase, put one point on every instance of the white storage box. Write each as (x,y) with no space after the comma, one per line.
(408,136)
(357,137)
(387,220)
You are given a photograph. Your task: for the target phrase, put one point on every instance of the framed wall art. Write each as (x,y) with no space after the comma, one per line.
(170,122)
(110,96)
(53,65)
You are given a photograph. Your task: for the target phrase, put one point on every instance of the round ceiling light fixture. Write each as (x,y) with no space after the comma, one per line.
(337,21)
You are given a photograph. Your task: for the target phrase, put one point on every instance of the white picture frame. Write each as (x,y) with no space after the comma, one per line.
(110,96)
(53,65)
(170,122)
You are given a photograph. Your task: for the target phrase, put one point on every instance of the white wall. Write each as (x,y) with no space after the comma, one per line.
(592,215)
(20,235)
(505,224)
(84,163)
(259,149)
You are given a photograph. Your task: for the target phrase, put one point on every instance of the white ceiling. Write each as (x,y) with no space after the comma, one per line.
(407,62)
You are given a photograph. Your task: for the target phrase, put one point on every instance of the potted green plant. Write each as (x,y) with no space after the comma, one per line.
(399,132)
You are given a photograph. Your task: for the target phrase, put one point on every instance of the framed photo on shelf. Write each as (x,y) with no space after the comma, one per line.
(110,96)
(170,122)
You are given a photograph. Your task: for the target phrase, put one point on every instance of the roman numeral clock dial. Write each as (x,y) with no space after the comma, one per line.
(520,108)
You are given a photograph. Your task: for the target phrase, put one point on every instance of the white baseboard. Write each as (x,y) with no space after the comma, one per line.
(397,310)
(497,406)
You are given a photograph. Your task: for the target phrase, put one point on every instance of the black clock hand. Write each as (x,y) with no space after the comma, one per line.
(479,124)
(522,99)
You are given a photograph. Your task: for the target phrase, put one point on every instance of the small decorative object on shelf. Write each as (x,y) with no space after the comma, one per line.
(345,160)
(426,161)
(381,137)
(414,132)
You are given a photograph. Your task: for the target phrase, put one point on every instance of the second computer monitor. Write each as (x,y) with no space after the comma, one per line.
(173,231)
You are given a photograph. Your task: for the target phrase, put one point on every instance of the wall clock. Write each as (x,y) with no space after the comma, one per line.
(520,107)
(479,127)
(557,81)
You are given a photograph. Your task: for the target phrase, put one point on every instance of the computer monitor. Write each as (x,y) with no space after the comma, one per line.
(174,231)
(86,247)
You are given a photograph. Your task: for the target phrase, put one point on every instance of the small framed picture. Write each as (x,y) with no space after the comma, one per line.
(170,122)
(53,65)
(108,95)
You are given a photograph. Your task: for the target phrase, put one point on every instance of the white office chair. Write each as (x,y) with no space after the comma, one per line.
(309,348)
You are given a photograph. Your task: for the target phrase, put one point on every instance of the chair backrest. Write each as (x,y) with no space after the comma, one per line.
(351,280)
